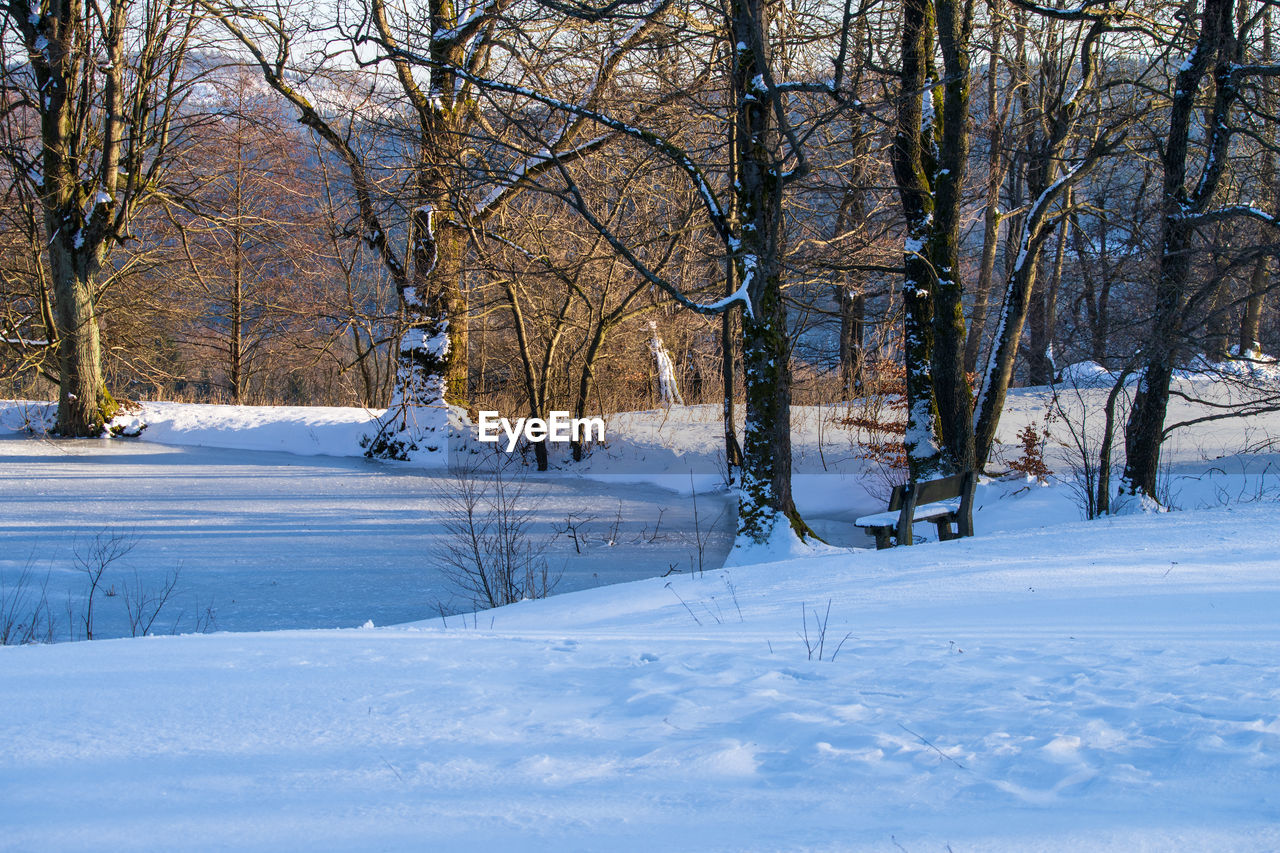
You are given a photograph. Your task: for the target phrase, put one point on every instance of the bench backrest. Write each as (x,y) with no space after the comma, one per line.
(930,491)
(940,490)
(898,497)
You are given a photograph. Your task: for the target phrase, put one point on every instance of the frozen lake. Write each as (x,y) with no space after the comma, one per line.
(273,540)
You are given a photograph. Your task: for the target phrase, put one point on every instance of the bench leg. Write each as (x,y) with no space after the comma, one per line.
(882,539)
(944,529)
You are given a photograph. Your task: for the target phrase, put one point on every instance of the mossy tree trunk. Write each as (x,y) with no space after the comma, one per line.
(914,158)
(953,395)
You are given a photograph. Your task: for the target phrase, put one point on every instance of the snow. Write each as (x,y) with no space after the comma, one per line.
(1087,374)
(1050,684)
(742,294)
(668,389)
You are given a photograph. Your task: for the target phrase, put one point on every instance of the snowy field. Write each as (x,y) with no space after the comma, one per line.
(1051,684)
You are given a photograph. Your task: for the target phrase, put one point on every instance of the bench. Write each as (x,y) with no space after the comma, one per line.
(944,502)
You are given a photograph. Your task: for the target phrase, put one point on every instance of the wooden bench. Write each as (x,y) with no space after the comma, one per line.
(944,502)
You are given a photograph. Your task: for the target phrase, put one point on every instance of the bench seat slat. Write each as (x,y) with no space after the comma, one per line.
(880,519)
(928,512)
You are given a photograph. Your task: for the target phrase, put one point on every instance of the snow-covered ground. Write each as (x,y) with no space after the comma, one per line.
(1051,684)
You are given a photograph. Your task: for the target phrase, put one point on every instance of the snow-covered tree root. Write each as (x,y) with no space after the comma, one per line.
(416,424)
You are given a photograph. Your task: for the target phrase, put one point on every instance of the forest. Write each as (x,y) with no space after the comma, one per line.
(538,205)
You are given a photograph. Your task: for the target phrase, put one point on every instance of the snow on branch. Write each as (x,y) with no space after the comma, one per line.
(466,25)
(1230,212)
(1036,213)
(1084,12)
(534,164)
(739,295)
(17,339)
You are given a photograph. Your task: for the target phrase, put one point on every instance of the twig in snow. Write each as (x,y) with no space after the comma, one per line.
(393,770)
(926,742)
(686,606)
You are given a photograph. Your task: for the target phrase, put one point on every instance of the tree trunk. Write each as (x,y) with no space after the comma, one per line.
(853,310)
(766,448)
(914,161)
(63,51)
(953,396)
(1260,277)
(1044,313)
(416,418)
(728,356)
(991,215)
(1251,322)
(585,379)
(84,405)
(1038,358)
(729,405)
(765,494)
(448,305)
(235,380)
(1037,225)
(1144,432)
(850,293)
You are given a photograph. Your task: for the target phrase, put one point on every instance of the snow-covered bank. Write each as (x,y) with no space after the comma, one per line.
(1104,686)
(304,430)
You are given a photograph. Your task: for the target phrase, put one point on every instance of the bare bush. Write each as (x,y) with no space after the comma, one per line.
(106,548)
(1090,446)
(491,555)
(143,604)
(816,645)
(25,615)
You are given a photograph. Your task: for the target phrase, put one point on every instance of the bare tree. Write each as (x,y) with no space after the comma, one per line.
(98,93)
(1208,90)
(1050,180)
